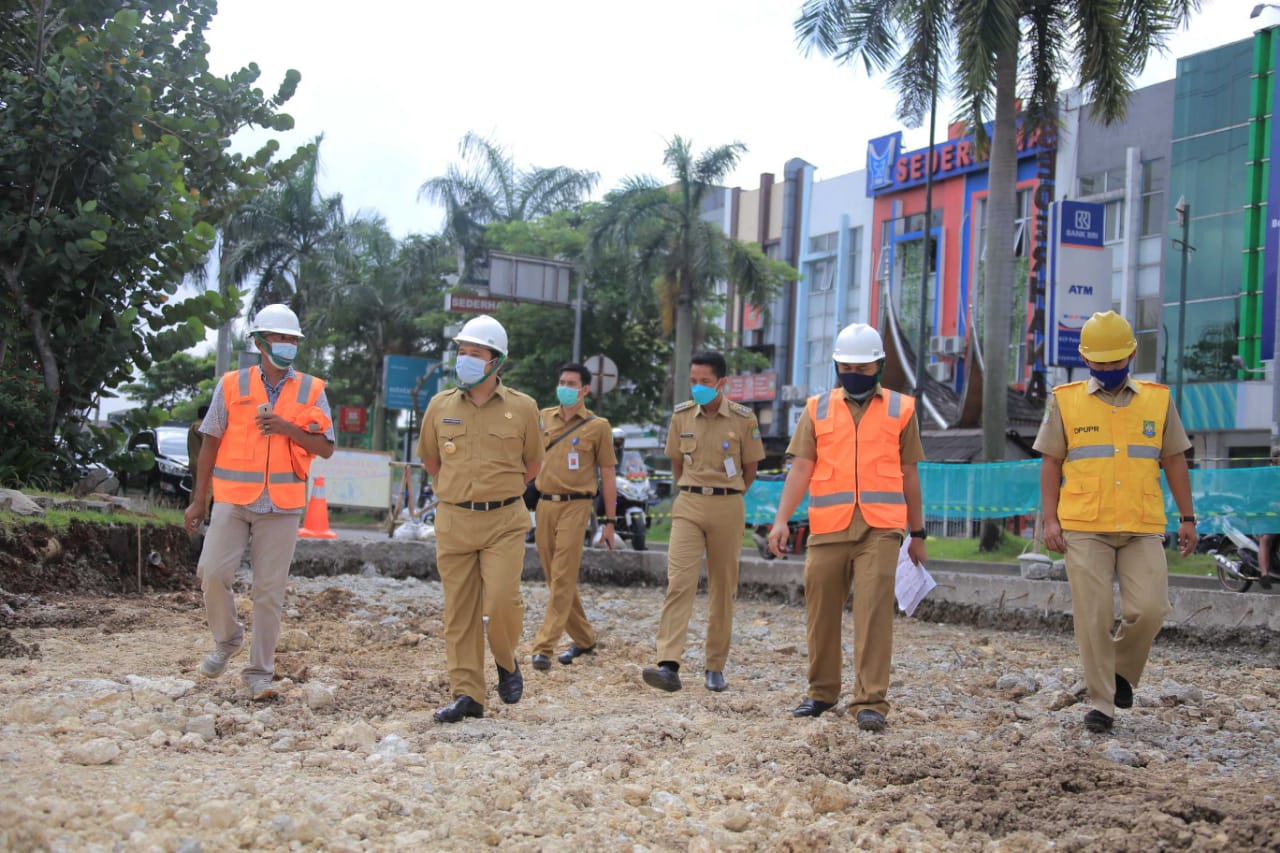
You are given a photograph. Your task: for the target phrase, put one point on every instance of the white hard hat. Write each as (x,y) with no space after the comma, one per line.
(858,343)
(618,433)
(277,318)
(485,331)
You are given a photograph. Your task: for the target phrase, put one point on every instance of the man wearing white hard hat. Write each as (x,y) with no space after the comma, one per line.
(481,444)
(264,426)
(855,450)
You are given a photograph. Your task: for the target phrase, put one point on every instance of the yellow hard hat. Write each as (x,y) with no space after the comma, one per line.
(1107,336)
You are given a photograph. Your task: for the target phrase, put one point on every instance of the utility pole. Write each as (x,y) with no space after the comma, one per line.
(922,356)
(1183,209)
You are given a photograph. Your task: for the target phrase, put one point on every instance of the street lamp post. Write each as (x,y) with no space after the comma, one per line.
(922,357)
(1183,210)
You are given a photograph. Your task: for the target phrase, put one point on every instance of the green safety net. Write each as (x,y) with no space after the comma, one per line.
(1247,498)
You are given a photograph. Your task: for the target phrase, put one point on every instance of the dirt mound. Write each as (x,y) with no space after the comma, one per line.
(94,558)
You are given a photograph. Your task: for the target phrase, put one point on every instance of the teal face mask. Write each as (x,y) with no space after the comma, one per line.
(567,396)
(702,394)
(280,354)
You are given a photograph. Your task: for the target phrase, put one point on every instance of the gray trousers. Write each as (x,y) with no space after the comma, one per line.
(272,536)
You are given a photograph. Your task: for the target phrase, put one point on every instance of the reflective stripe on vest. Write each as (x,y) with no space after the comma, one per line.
(859,465)
(247,461)
(1111,476)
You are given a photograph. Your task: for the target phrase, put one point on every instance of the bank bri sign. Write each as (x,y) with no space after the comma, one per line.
(889,170)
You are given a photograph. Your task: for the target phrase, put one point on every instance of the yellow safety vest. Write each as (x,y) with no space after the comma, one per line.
(1111,476)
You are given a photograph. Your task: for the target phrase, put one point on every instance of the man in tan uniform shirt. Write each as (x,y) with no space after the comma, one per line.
(481,444)
(715,446)
(577,443)
(861,557)
(1113,663)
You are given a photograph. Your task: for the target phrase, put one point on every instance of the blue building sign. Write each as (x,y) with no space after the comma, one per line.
(400,373)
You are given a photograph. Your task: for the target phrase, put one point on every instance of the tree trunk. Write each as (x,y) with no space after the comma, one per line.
(684,342)
(378,438)
(998,286)
(44,349)
(222,359)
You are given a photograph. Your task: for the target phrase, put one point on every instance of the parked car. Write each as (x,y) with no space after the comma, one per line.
(169,480)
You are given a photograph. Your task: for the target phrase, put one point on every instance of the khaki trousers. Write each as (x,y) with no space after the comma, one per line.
(480,556)
(271,537)
(868,565)
(710,524)
(1094,562)
(559,534)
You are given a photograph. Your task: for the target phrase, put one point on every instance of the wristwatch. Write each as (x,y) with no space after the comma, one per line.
(1190,518)
(920,534)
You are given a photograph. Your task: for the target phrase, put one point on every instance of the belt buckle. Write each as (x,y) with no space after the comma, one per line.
(707,490)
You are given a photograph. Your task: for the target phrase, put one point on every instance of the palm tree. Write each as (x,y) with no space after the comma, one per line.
(489,188)
(288,238)
(684,255)
(1103,42)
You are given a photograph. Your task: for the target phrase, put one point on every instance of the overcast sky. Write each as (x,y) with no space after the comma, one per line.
(394,84)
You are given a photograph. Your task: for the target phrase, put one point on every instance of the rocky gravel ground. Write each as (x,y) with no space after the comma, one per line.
(110,741)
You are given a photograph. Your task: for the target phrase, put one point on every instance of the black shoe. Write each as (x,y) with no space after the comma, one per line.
(463,706)
(1098,722)
(870,721)
(1265,581)
(1124,692)
(663,678)
(812,708)
(510,685)
(567,656)
(715,681)
(541,663)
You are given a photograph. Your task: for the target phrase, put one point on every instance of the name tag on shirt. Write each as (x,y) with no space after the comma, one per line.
(573,461)
(730,467)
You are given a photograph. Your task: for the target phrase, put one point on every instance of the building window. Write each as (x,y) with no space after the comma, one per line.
(1101,182)
(853,304)
(1153,215)
(1147,332)
(1113,221)
(823,243)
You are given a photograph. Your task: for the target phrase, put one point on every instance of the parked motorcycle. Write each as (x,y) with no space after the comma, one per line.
(636,497)
(1235,556)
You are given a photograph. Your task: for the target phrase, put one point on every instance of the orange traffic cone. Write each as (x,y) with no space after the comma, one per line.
(316,524)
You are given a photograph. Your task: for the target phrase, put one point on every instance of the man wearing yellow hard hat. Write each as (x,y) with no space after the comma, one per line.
(1103,442)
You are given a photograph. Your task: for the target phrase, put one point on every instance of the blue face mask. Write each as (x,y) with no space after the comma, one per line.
(1110,379)
(469,370)
(857,385)
(280,354)
(567,396)
(703,394)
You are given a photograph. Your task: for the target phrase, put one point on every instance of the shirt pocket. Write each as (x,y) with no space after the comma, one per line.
(688,445)
(241,438)
(504,442)
(889,475)
(452,443)
(1080,499)
(1152,501)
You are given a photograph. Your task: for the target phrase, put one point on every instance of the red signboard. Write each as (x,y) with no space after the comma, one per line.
(470,303)
(353,419)
(752,387)
(752,318)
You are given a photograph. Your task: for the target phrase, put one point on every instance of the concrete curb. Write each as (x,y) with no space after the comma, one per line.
(983,593)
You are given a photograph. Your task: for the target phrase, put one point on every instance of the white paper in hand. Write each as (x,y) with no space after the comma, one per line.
(912,582)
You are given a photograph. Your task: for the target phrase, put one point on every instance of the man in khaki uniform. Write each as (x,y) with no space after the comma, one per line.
(1103,442)
(855,449)
(480,443)
(577,442)
(715,446)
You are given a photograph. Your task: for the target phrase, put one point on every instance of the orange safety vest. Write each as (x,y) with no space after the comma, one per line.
(874,480)
(249,461)
(1111,476)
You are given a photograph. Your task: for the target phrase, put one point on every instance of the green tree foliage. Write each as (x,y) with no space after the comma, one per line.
(488,187)
(615,320)
(114,147)
(182,378)
(671,248)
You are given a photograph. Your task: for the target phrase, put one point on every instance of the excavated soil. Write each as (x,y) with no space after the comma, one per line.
(110,741)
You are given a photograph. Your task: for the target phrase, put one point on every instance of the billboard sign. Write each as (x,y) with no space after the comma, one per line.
(1079,281)
(400,373)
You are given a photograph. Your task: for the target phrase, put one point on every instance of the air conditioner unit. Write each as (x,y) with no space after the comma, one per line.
(940,371)
(953,344)
(936,343)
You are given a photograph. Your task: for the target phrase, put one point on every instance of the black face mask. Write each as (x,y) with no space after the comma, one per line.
(857,385)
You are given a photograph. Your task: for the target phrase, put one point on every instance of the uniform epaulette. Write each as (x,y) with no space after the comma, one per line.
(687,404)
(1151,384)
(740,409)
(1070,384)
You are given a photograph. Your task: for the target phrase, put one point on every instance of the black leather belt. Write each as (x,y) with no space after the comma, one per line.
(558,498)
(485,506)
(708,490)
